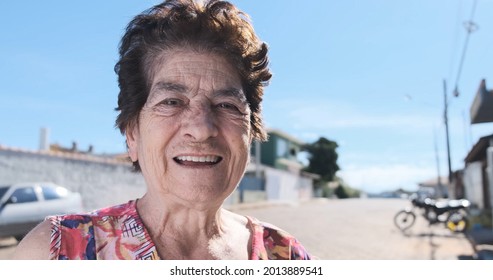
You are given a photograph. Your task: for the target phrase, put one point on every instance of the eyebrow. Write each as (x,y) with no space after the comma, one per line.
(231,92)
(168,86)
(178,88)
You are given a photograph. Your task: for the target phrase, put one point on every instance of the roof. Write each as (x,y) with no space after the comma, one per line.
(115,159)
(478,151)
(480,110)
(286,136)
(434,182)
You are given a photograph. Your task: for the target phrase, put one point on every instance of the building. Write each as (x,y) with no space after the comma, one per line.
(101,180)
(280,151)
(275,172)
(482,107)
(477,176)
(274,175)
(436,187)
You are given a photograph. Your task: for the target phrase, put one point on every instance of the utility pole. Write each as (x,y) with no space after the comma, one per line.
(470,26)
(445,117)
(439,179)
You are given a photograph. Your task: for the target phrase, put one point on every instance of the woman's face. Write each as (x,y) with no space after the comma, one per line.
(193,135)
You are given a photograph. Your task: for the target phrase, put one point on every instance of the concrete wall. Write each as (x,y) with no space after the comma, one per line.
(489,173)
(473,182)
(103,183)
(285,186)
(305,188)
(100,183)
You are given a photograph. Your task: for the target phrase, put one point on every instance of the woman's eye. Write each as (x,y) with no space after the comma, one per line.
(171,102)
(227,106)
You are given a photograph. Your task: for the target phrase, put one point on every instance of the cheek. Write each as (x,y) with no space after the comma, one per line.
(243,127)
(241,146)
(242,136)
(156,137)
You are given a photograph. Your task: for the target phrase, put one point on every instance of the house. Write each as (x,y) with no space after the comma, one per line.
(275,172)
(481,110)
(478,177)
(280,151)
(437,187)
(478,172)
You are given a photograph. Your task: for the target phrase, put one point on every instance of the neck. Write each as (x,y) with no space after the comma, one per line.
(166,216)
(183,232)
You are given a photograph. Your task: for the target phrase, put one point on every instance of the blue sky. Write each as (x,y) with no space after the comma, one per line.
(366,74)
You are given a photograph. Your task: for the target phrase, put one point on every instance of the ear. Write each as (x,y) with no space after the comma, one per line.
(132,136)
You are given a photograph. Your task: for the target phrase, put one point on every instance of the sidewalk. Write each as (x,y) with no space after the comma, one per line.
(482,242)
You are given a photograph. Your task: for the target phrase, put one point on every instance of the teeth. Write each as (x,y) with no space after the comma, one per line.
(199,159)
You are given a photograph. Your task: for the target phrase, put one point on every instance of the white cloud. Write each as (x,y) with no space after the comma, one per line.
(378,178)
(384,164)
(329,114)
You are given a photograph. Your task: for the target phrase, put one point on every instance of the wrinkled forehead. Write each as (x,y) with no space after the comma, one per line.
(181,88)
(194,57)
(181,70)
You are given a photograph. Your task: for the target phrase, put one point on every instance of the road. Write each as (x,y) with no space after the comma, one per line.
(350,229)
(363,229)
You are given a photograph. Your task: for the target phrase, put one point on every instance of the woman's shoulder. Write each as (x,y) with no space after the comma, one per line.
(90,217)
(44,241)
(272,242)
(35,245)
(86,228)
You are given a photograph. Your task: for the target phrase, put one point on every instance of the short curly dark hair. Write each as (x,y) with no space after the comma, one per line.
(216,26)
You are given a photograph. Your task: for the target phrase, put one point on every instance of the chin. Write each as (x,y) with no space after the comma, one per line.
(207,193)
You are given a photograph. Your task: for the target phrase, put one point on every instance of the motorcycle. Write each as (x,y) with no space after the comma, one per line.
(452,213)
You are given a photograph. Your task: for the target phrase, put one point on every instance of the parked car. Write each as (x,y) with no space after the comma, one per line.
(24,205)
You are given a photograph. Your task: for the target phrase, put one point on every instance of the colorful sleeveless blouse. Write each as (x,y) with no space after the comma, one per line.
(117,232)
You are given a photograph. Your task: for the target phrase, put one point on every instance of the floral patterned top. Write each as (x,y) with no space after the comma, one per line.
(117,232)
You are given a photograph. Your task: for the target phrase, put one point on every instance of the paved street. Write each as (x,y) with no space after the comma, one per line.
(363,229)
(351,229)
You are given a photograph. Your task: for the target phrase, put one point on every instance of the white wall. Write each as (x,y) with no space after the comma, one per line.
(489,170)
(281,185)
(473,183)
(105,184)
(100,184)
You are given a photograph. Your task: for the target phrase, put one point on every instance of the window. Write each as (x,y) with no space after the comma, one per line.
(25,194)
(282,148)
(3,190)
(292,152)
(50,193)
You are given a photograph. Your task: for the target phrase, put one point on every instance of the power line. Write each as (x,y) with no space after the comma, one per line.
(470,26)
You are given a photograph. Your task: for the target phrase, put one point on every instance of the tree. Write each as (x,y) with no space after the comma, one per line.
(341,192)
(322,156)
(345,191)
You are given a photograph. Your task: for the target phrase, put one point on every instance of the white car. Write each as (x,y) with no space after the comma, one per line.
(24,205)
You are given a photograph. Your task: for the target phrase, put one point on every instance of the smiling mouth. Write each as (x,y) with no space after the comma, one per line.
(197,160)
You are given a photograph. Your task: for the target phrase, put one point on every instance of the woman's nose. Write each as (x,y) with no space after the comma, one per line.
(200,124)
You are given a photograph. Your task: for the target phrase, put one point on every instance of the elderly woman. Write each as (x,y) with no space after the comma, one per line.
(191,79)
